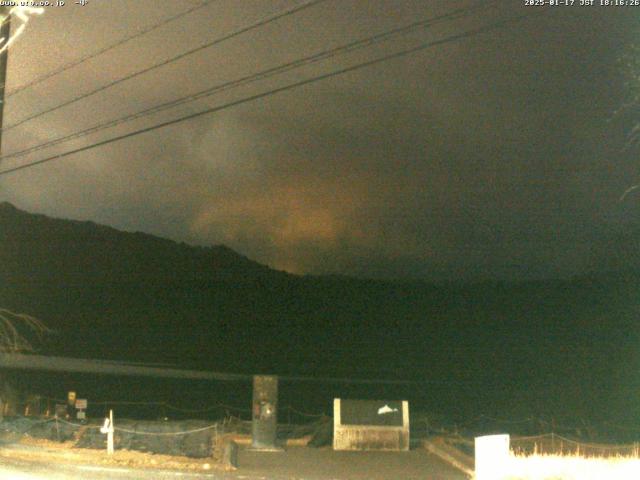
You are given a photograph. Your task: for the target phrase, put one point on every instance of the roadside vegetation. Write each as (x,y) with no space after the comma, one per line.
(572,467)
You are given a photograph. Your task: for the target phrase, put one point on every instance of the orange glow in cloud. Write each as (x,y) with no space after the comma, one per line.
(288,219)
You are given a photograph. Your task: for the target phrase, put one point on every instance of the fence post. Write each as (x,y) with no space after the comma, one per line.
(110,434)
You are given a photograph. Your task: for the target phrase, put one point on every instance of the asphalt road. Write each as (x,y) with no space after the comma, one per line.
(326,464)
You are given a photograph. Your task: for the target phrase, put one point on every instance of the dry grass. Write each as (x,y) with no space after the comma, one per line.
(572,467)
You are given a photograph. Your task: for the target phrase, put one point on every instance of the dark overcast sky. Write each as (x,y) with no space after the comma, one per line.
(495,155)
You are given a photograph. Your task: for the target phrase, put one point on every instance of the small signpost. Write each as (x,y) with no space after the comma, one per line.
(81,407)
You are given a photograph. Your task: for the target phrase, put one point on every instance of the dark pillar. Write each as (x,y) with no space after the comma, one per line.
(265,413)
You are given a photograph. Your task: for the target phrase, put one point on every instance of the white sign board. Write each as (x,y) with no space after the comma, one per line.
(492,457)
(370,424)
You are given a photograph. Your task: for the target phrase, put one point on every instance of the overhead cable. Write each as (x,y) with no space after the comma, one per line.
(291,86)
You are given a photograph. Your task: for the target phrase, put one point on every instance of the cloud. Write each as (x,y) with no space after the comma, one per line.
(477,157)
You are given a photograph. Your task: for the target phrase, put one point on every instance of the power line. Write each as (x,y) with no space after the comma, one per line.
(291,86)
(235,33)
(264,74)
(81,60)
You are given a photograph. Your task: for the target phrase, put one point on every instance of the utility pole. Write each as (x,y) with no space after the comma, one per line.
(5,32)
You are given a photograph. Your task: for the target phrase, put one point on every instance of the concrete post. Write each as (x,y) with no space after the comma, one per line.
(110,434)
(108,429)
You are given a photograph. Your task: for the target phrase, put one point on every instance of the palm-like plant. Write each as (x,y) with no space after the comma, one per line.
(16,328)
